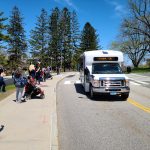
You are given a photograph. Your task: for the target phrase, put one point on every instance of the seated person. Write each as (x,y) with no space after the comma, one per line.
(29,87)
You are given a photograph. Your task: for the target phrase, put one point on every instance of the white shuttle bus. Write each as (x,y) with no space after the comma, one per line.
(101,73)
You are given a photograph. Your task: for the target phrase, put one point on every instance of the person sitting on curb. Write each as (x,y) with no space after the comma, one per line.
(29,87)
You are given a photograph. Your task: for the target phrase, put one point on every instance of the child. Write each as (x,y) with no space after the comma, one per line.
(19,82)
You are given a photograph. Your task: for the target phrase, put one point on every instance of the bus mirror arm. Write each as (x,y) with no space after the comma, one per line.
(92,76)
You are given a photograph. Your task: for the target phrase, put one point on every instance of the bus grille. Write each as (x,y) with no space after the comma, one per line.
(112,83)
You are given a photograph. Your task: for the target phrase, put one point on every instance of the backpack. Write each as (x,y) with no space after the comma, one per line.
(20,82)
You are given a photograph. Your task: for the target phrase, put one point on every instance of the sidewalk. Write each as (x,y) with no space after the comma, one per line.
(31,125)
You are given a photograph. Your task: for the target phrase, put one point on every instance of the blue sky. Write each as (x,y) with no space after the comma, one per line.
(104,15)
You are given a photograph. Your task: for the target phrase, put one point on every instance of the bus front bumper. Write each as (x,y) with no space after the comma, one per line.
(111,91)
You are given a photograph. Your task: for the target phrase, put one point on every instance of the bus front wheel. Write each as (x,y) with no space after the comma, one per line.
(92,94)
(125,96)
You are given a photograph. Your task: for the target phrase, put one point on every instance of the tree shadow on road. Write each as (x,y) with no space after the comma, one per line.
(79,88)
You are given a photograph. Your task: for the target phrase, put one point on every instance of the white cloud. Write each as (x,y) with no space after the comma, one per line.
(120,10)
(68,2)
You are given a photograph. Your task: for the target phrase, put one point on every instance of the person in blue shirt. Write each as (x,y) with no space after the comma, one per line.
(20,83)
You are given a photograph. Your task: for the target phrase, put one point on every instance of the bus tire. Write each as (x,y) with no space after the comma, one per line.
(124,96)
(92,94)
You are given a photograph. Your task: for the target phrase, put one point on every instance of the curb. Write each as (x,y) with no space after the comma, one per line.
(54,125)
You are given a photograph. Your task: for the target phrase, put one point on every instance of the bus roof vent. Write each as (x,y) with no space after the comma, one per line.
(104,52)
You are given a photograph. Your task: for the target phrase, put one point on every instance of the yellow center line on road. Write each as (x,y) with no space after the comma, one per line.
(146,109)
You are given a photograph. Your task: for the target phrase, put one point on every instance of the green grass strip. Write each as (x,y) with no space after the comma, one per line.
(9,90)
(140,70)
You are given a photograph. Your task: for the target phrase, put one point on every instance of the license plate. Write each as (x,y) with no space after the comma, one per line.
(113,93)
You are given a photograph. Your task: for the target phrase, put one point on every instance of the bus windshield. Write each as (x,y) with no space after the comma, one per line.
(106,68)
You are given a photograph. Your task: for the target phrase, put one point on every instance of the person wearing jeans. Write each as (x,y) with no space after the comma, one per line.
(19,84)
(19,93)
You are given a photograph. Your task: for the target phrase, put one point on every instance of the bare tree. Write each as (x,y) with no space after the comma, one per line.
(133,45)
(140,11)
(134,38)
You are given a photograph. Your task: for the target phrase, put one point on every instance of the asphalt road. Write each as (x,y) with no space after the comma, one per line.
(106,123)
(140,79)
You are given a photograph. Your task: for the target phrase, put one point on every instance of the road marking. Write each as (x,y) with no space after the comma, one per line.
(139,81)
(139,75)
(134,83)
(67,82)
(72,82)
(146,109)
(78,82)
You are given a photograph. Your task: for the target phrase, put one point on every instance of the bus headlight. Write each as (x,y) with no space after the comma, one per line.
(96,83)
(127,82)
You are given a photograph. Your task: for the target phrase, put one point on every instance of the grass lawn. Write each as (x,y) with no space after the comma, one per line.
(9,90)
(140,70)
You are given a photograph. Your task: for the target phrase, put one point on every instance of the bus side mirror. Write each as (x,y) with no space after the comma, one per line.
(86,71)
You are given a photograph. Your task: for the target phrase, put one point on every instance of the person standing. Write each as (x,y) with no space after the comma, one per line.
(2,83)
(25,73)
(58,70)
(13,73)
(19,82)
(1,70)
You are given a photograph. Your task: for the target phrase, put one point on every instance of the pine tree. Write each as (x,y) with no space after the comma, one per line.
(17,39)
(39,38)
(75,39)
(3,38)
(65,25)
(89,38)
(3,28)
(3,59)
(55,38)
(75,32)
(64,37)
